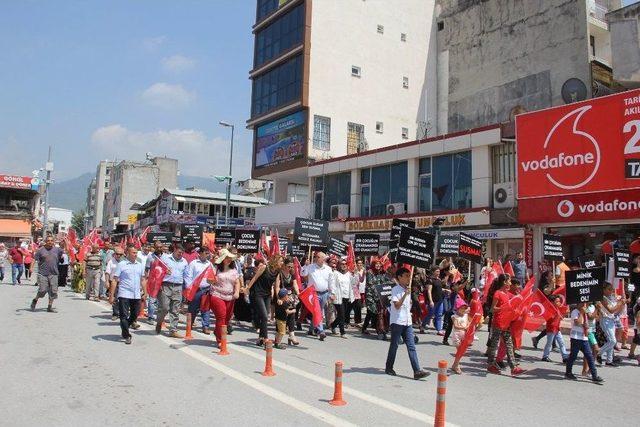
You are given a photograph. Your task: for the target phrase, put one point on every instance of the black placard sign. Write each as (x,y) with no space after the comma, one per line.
(225,236)
(470,248)
(247,241)
(366,244)
(337,247)
(384,292)
(588,261)
(552,248)
(584,285)
(448,244)
(397,224)
(162,237)
(297,251)
(311,232)
(622,263)
(192,231)
(415,247)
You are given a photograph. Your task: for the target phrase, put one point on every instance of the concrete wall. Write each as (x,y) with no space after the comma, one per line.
(624,25)
(101,191)
(345,33)
(507,53)
(168,172)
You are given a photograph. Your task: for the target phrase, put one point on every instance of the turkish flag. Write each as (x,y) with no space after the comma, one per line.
(541,307)
(275,243)
(386,262)
(508,269)
(72,237)
(143,236)
(297,271)
(468,336)
(209,241)
(265,247)
(562,292)
(191,291)
(71,251)
(156,273)
(82,253)
(205,303)
(489,276)
(351,258)
(309,298)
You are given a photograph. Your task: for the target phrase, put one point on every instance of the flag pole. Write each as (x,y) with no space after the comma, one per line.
(469,272)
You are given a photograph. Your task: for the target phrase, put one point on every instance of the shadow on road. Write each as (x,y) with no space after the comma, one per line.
(105,337)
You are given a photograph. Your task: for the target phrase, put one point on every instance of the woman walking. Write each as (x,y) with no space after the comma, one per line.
(341,293)
(288,281)
(225,289)
(263,284)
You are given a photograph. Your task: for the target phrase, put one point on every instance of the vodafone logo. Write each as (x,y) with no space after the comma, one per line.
(566,208)
(572,157)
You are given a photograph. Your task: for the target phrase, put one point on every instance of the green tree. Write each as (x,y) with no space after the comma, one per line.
(77,222)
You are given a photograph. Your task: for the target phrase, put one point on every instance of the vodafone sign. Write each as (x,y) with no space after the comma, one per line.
(586,147)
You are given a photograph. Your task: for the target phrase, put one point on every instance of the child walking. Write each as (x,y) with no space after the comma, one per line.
(285,316)
(553,332)
(580,343)
(461,323)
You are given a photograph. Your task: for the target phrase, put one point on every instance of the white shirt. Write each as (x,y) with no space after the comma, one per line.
(341,286)
(401,316)
(577,331)
(129,276)
(195,268)
(318,276)
(362,284)
(111,267)
(142,257)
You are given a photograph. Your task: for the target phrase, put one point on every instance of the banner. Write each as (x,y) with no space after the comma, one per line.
(165,238)
(552,248)
(366,244)
(191,231)
(470,248)
(397,224)
(225,236)
(448,244)
(588,261)
(297,251)
(415,248)
(528,248)
(311,232)
(337,247)
(281,141)
(584,285)
(622,263)
(384,292)
(247,241)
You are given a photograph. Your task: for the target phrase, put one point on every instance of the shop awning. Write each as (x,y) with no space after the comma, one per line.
(15,228)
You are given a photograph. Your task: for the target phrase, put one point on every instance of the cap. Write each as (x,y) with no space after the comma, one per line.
(460,303)
(283,293)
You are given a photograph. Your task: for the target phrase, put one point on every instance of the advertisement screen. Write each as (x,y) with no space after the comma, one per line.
(281,141)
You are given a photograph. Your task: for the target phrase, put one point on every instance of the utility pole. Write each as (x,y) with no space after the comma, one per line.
(229,178)
(48,168)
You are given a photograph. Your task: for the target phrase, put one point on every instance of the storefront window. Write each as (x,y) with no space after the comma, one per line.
(462,180)
(331,190)
(442,185)
(445,182)
(388,184)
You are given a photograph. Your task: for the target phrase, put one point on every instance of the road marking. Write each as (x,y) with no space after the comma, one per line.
(402,410)
(262,388)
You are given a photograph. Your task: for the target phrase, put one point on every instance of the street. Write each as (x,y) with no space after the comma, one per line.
(69,367)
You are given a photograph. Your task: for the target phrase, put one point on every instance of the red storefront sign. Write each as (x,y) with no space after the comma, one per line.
(581,207)
(18,182)
(528,248)
(582,148)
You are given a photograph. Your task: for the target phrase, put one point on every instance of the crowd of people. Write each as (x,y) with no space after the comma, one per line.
(260,290)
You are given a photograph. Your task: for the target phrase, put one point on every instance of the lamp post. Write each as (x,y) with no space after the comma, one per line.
(226,216)
(45,217)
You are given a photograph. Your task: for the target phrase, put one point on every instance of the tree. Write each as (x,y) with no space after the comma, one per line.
(77,222)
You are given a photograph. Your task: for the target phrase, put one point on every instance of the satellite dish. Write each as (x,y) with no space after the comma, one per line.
(574,90)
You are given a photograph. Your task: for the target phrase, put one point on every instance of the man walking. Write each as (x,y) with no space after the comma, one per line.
(48,257)
(196,267)
(170,296)
(318,275)
(400,320)
(129,279)
(17,263)
(93,273)
(152,303)
(520,268)
(109,274)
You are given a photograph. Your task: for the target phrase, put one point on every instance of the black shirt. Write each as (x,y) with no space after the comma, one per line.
(436,291)
(281,310)
(263,284)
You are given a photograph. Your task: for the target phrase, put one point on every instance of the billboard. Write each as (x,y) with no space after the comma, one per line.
(281,141)
(583,148)
(19,182)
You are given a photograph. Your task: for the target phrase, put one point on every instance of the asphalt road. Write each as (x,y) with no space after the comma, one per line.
(71,368)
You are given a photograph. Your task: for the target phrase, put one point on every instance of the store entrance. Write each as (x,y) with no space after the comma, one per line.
(579,241)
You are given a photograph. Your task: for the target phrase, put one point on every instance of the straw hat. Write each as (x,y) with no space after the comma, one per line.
(225,253)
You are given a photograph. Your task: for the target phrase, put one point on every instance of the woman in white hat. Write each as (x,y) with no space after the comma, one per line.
(224,290)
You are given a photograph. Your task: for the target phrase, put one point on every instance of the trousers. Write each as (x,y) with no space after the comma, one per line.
(128,310)
(223,310)
(406,333)
(169,300)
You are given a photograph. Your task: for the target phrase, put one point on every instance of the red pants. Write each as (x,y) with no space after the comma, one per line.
(223,310)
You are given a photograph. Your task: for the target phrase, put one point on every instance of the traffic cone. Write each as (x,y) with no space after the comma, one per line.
(223,342)
(188,335)
(441,391)
(142,314)
(337,392)
(268,367)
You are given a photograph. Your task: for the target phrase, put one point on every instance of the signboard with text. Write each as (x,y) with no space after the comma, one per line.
(470,248)
(337,247)
(448,244)
(19,182)
(225,236)
(311,232)
(247,241)
(366,244)
(552,248)
(192,231)
(161,237)
(415,248)
(588,261)
(622,263)
(584,285)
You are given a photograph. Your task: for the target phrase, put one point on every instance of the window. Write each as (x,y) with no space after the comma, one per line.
(277,87)
(355,137)
(379,127)
(405,82)
(403,37)
(503,159)
(212,210)
(380,29)
(440,25)
(283,34)
(592,44)
(450,179)
(405,133)
(355,71)
(331,190)
(381,186)
(321,133)
(267,7)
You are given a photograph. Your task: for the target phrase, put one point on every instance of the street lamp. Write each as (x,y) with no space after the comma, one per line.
(226,216)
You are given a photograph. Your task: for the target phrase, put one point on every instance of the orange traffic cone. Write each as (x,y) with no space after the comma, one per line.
(142,314)
(223,342)
(337,392)
(268,367)
(188,335)
(441,391)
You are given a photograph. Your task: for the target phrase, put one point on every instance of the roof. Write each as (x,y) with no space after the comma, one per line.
(207,195)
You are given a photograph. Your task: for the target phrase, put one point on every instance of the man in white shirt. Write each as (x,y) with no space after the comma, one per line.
(129,278)
(318,275)
(400,324)
(196,267)
(118,255)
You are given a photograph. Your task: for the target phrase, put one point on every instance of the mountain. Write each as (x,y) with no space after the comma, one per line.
(72,193)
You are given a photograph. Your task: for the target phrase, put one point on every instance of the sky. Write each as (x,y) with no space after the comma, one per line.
(117,79)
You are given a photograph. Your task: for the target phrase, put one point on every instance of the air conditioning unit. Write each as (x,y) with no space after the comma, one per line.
(503,195)
(395,209)
(339,212)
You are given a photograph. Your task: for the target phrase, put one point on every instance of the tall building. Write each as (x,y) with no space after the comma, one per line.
(334,78)
(135,183)
(96,194)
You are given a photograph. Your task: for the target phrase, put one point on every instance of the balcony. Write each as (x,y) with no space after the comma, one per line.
(597,11)
(282,213)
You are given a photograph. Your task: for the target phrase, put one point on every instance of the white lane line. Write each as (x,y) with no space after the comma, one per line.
(262,388)
(402,410)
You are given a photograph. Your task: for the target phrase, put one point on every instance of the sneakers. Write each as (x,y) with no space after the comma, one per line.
(176,334)
(135,325)
(517,371)
(445,342)
(570,376)
(493,369)
(441,333)
(114,317)
(390,372)
(322,336)
(611,364)
(597,380)
(33,304)
(51,310)
(546,359)
(127,340)
(534,341)
(419,374)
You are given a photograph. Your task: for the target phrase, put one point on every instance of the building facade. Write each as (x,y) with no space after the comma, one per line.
(59,220)
(132,183)
(625,44)
(19,207)
(97,193)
